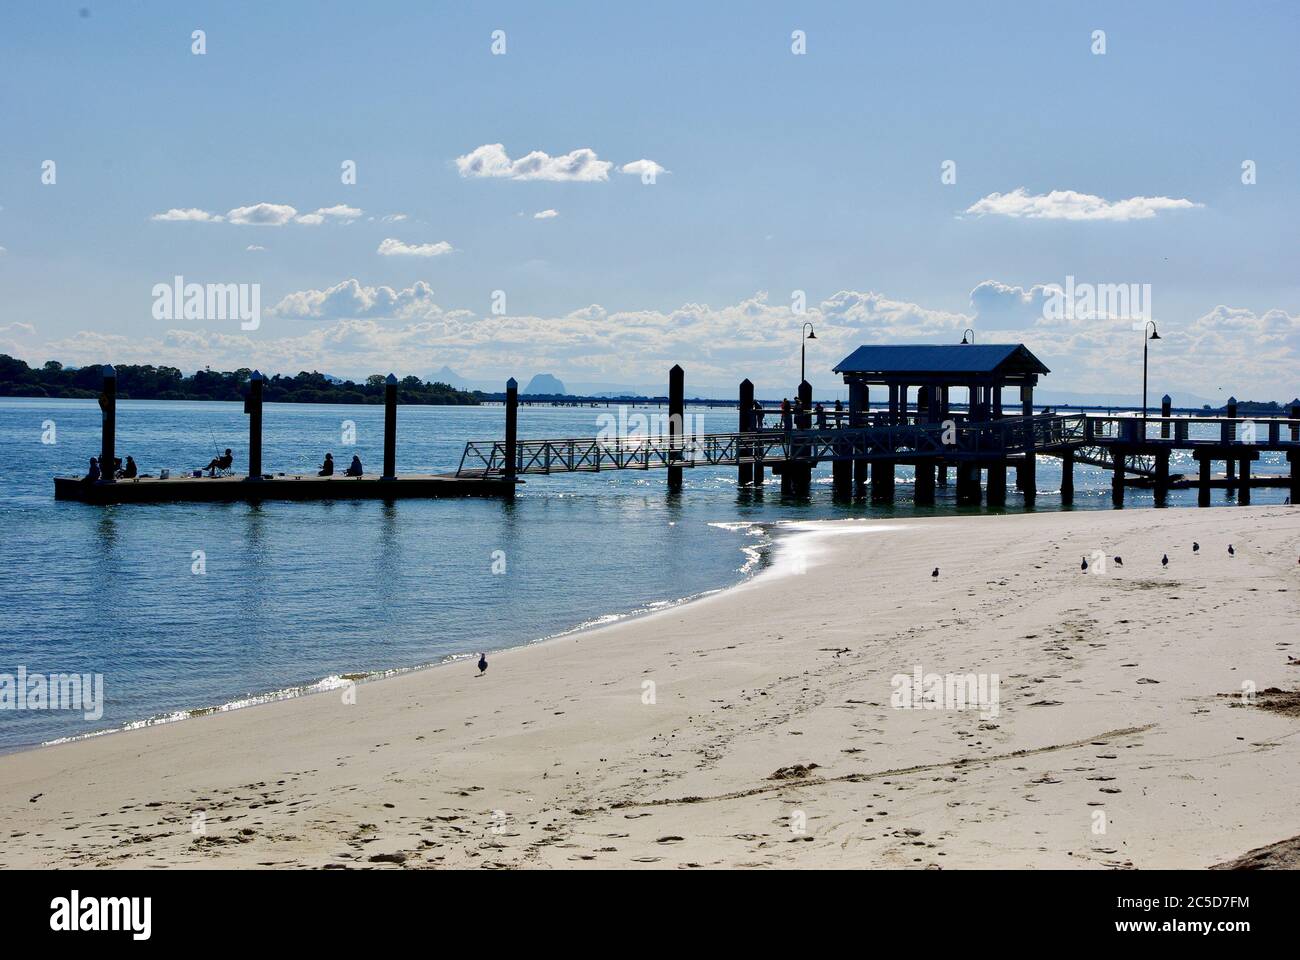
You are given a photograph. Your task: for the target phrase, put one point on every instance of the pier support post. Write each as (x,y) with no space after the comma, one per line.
(1203,484)
(1227,435)
(942,474)
(1295,415)
(745,424)
(968,483)
(1067,478)
(997,484)
(512,429)
(882,481)
(1166,409)
(108,425)
(801,471)
(253,407)
(390,428)
(859,414)
(1243,496)
(1294,457)
(1162,478)
(1027,474)
(676,421)
(1117,476)
(923,489)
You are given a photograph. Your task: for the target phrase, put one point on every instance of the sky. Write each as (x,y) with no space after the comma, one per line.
(601,190)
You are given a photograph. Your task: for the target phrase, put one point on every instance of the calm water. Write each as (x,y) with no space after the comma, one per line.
(298,592)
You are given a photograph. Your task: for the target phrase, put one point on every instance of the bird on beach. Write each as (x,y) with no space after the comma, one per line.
(1164,560)
(934,574)
(1231,552)
(1196,547)
(1084,565)
(482,664)
(1119,561)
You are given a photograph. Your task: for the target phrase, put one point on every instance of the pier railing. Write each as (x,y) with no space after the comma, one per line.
(951,440)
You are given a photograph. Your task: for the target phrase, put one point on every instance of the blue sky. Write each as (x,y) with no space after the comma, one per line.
(817,172)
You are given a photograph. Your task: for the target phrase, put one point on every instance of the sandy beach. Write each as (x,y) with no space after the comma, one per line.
(754,728)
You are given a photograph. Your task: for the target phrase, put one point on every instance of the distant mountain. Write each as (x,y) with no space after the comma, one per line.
(545,384)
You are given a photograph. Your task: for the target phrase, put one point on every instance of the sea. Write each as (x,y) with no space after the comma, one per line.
(186,609)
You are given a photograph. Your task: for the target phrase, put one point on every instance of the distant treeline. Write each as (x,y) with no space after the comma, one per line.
(1257,408)
(167,383)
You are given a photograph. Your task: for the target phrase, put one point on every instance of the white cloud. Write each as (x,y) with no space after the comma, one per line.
(646,168)
(340,213)
(399,248)
(545,214)
(192,214)
(254,246)
(490,160)
(263,215)
(19,328)
(394,218)
(1071,205)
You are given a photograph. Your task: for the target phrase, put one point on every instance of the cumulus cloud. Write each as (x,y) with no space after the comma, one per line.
(399,248)
(191,214)
(262,215)
(1072,205)
(643,168)
(339,213)
(545,214)
(491,160)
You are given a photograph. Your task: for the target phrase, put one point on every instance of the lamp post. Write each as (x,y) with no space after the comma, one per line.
(1146,339)
(964,341)
(803,348)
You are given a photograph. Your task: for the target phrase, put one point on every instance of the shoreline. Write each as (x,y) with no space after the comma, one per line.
(335,682)
(772,699)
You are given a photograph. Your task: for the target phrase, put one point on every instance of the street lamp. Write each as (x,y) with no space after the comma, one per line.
(1145,341)
(803,348)
(964,341)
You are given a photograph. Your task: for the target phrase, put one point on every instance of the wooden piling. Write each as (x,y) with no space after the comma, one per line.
(253,407)
(1162,477)
(512,429)
(1295,427)
(1166,409)
(859,415)
(1067,478)
(1243,496)
(997,484)
(676,422)
(968,483)
(1294,457)
(1203,485)
(1227,435)
(1119,456)
(745,406)
(1027,473)
(882,481)
(108,425)
(923,488)
(390,428)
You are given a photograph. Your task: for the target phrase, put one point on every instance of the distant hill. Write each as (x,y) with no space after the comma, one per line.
(546,385)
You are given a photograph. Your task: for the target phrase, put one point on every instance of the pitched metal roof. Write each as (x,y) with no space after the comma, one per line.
(966,358)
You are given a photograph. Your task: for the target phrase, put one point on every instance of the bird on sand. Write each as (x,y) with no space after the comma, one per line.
(1231,552)
(1196,547)
(1084,565)
(1119,561)
(482,664)
(1164,560)
(934,574)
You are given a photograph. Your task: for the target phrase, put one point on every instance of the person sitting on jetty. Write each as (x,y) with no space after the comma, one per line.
(222,462)
(787,416)
(92,475)
(327,468)
(130,471)
(354,468)
(821,416)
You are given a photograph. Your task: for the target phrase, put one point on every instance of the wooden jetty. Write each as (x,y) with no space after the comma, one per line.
(914,424)
(257,486)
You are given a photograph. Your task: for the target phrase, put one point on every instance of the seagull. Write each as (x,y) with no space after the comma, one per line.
(934,574)
(1119,561)
(1196,547)
(1164,560)
(482,664)
(1084,566)
(1231,552)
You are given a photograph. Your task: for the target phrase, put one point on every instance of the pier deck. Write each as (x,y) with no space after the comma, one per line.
(280,487)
